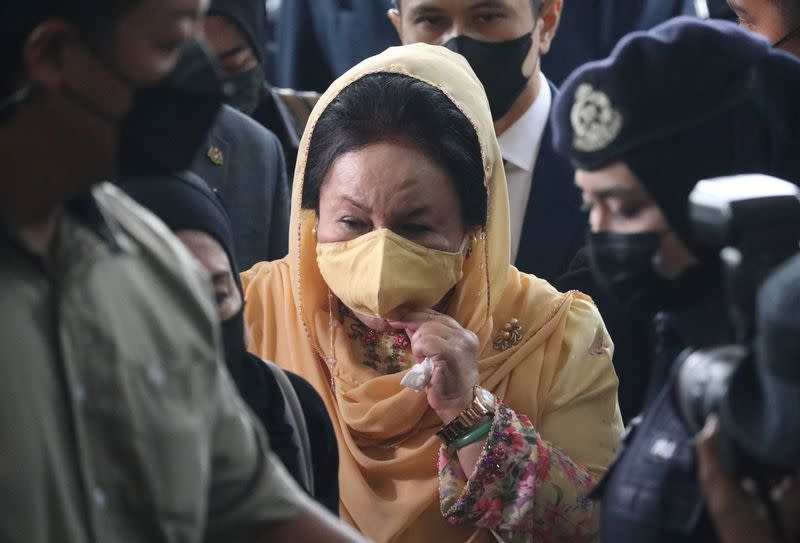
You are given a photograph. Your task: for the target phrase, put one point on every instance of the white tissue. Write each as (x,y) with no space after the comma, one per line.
(419,376)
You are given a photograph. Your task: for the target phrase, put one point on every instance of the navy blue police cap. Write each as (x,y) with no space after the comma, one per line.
(685,101)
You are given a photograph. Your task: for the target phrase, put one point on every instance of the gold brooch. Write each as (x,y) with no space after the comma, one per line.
(510,336)
(215,156)
(595,122)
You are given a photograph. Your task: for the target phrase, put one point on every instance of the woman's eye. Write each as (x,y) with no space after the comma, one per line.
(586,207)
(351,223)
(629,212)
(220,296)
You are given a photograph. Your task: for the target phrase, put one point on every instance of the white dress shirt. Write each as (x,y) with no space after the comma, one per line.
(520,145)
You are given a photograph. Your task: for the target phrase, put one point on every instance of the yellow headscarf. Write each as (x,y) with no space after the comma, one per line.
(559,374)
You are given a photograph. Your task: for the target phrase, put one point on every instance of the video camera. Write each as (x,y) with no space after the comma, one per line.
(755,221)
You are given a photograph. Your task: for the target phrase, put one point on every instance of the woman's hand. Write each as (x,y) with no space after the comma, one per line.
(735,514)
(454,353)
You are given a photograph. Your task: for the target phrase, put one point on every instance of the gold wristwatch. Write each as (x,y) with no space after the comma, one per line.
(483,405)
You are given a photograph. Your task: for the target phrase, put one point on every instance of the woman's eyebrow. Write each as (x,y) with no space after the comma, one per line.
(360,206)
(236,49)
(613,192)
(219,277)
(418,211)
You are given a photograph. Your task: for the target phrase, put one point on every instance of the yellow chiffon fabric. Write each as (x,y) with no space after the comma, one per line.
(560,374)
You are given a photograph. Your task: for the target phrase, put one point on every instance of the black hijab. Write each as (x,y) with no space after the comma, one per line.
(250,16)
(184,202)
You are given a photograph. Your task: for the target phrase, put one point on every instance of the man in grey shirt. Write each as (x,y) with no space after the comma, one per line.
(118,421)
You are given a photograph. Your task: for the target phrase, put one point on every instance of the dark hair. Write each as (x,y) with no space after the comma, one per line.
(96,19)
(392,107)
(537,5)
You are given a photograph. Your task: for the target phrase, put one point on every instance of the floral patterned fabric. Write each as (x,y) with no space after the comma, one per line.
(385,352)
(523,489)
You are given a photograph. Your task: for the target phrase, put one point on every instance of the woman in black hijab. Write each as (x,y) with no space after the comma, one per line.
(293,414)
(236,32)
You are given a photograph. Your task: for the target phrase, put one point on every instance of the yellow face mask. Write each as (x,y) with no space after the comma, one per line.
(378,272)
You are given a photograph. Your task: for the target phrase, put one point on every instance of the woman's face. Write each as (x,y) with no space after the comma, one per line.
(215,260)
(394,186)
(618,202)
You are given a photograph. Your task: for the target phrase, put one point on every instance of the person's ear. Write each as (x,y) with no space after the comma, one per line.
(397,21)
(46,53)
(550,17)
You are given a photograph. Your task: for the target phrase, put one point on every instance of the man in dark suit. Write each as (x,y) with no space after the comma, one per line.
(655,12)
(503,41)
(589,30)
(319,40)
(240,160)
(243,163)
(235,33)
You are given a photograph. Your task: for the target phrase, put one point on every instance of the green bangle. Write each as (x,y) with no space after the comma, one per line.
(478,433)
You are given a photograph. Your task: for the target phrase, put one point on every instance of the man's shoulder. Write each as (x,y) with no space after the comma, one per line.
(151,240)
(238,130)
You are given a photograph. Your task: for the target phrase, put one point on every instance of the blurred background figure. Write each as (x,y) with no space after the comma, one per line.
(119,421)
(244,164)
(319,40)
(238,32)
(588,31)
(591,28)
(658,11)
(292,413)
(241,160)
(270,41)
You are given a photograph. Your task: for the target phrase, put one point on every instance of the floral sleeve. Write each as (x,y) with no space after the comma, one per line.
(522,489)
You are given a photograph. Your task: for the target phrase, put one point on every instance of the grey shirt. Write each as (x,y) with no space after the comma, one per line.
(118,421)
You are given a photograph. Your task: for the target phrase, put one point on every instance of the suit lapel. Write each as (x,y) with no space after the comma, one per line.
(213,160)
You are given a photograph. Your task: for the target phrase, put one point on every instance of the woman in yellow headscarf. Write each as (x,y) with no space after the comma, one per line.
(399,253)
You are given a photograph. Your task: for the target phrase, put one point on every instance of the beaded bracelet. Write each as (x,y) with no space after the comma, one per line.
(473,436)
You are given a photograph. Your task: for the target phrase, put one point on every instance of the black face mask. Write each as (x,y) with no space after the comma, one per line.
(623,265)
(233,341)
(167,121)
(498,67)
(244,89)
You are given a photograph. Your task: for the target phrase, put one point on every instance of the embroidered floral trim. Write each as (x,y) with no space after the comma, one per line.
(523,488)
(385,352)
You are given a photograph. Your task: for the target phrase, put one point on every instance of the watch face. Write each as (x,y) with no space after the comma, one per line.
(486,397)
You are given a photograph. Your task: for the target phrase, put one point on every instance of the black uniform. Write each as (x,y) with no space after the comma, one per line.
(686,101)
